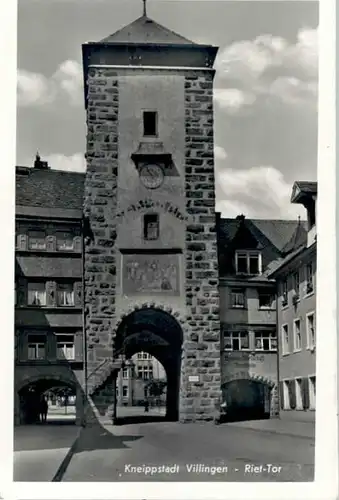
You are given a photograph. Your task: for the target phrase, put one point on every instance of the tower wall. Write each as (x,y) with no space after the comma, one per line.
(115,202)
(100,204)
(202,347)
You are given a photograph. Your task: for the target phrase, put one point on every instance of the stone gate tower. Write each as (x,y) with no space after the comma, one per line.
(150,267)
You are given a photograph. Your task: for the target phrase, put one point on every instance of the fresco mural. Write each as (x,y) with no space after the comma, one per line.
(150,273)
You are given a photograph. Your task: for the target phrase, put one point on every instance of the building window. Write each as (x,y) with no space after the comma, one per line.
(151,227)
(286,395)
(125,373)
(299,393)
(296,285)
(236,341)
(265,300)
(124,391)
(310,328)
(238,297)
(312,392)
(144,355)
(145,372)
(248,263)
(65,346)
(285,339)
(297,335)
(64,240)
(265,341)
(36,294)
(309,277)
(37,240)
(284,293)
(65,294)
(150,119)
(36,346)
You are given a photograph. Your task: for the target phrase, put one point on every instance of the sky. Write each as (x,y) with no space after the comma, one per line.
(265,89)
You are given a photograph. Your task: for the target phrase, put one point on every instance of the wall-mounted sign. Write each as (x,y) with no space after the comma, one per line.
(193,378)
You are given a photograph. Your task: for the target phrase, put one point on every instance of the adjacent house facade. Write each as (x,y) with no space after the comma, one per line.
(296,312)
(49,341)
(133,381)
(249,344)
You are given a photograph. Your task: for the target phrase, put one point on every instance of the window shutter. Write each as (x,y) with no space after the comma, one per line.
(78,293)
(50,243)
(51,293)
(293,402)
(21,292)
(16,345)
(78,346)
(21,241)
(305,393)
(77,244)
(281,394)
(51,346)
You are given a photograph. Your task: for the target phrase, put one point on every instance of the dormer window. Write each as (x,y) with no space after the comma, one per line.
(150,123)
(151,226)
(248,262)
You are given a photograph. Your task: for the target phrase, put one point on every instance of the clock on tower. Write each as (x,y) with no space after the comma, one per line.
(151,175)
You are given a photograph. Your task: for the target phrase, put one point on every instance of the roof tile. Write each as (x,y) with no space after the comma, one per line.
(50,189)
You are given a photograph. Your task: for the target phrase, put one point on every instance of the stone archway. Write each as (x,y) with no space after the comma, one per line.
(28,392)
(157,332)
(250,395)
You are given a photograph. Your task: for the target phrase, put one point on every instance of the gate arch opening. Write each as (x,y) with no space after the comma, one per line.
(247,399)
(159,334)
(33,391)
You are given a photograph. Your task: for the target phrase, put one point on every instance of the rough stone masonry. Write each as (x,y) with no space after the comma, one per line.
(202,348)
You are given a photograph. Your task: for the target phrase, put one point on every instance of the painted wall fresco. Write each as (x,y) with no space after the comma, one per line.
(150,273)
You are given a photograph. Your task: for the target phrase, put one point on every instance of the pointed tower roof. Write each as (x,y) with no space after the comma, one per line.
(145,30)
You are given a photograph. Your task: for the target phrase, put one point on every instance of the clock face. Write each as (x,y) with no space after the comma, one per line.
(152,176)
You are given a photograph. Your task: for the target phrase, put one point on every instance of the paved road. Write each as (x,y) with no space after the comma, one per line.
(109,453)
(40,449)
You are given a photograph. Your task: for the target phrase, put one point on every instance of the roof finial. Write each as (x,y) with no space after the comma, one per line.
(145,11)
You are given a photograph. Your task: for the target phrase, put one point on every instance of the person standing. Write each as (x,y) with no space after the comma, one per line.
(43,409)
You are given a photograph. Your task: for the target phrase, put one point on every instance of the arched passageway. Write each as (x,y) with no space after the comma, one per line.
(50,393)
(158,334)
(247,399)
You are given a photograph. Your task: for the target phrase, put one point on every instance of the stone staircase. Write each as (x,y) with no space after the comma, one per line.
(100,386)
(102,373)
